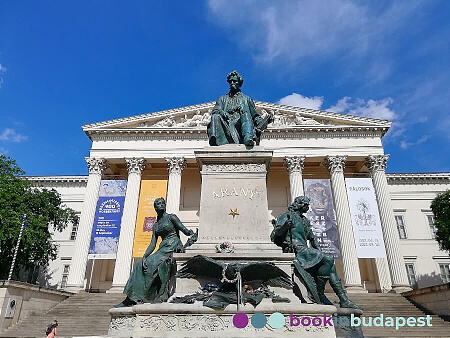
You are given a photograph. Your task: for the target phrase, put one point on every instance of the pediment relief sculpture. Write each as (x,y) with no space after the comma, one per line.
(200,119)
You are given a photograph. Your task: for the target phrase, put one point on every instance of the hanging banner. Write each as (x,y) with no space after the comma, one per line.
(321,215)
(365,218)
(146,215)
(108,215)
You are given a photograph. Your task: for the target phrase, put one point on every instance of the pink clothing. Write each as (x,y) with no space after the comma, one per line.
(52,334)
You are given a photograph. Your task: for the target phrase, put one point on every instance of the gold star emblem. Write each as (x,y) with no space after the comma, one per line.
(233,212)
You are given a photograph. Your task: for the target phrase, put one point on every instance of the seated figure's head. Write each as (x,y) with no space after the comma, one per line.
(235,80)
(300,203)
(159,204)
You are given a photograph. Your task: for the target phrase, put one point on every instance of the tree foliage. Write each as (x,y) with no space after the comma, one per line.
(441,210)
(44,212)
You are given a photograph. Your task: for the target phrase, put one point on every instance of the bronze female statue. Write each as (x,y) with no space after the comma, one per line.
(150,280)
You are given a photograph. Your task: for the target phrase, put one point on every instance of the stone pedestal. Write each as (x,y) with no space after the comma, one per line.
(233,204)
(195,320)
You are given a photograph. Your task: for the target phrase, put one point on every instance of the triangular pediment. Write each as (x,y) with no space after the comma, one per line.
(198,116)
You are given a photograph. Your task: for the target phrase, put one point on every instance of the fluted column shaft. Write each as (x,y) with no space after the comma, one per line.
(377,167)
(384,276)
(128,224)
(176,166)
(294,165)
(352,275)
(77,271)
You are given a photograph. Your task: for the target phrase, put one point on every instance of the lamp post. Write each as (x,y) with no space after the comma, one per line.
(23,226)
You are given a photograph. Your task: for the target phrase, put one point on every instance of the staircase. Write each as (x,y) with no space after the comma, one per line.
(83,314)
(395,305)
(86,314)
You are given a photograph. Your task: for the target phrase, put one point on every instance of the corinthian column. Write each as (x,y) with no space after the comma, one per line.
(377,167)
(75,282)
(295,165)
(128,224)
(352,275)
(176,166)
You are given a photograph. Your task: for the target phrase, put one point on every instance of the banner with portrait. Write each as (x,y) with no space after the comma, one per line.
(107,220)
(146,215)
(365,218)
(321,215)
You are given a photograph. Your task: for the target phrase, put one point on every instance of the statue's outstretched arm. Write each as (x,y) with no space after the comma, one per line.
(180,226)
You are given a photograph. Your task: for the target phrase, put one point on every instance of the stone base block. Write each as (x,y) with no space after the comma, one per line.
(195,320)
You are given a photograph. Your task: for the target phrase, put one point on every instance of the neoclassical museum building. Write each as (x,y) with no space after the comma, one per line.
(378,225)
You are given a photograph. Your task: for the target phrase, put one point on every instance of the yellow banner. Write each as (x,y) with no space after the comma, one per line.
(146,215)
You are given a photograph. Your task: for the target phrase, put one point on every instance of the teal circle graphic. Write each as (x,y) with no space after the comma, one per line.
(259,320)
(276,320)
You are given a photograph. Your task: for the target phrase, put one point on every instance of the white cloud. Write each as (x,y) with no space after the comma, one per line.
(405,145)
(377,109)
(299,100)
(293,30)
(9,134)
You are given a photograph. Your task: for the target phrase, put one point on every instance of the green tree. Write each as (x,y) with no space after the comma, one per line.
(44,212)
(441,210)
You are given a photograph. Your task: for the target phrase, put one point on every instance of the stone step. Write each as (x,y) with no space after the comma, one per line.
(86,314)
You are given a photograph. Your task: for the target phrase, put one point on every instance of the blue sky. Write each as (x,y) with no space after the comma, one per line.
(65,64)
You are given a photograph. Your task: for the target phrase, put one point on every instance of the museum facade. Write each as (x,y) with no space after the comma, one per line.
(378,226)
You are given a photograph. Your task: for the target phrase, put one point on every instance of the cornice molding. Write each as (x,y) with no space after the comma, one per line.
(418,178)
(81,178)
(288,132)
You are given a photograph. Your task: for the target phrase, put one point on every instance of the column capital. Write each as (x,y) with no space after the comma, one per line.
(176,164)
(335,163)
(294,163)
(376,162)
(135,165)
(96,165)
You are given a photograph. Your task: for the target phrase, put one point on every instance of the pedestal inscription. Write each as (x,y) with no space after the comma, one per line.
(233,205)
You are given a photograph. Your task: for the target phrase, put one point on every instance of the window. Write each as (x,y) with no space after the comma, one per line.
(401,226)
(73,234)
(445,272)
(410,271)
(432,226)
(65,276)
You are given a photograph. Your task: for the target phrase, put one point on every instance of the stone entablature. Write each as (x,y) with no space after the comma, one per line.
(418,178)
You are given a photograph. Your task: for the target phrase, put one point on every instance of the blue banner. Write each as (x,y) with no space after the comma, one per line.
(108,216)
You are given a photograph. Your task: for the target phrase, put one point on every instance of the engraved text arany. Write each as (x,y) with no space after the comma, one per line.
(244,192)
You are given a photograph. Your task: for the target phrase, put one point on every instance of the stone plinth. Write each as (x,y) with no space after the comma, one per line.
(233,204)
(195,320)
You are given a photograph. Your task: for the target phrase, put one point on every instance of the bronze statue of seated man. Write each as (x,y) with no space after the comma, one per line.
(234,118)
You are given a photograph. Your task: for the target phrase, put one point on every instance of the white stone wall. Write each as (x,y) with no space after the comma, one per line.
(72,190)
(411,198)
